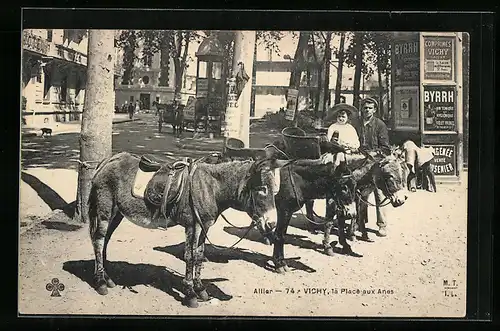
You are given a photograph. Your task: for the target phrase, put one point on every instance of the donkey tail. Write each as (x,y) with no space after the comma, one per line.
(92,203)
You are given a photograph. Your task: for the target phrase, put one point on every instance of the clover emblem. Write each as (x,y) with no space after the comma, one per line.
(55,287)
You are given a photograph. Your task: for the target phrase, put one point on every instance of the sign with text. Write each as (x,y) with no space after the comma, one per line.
(438,58)
(406,61)
(406,106)
(445,160)
(201,88)
(439,108)
(291,104)
(189,110)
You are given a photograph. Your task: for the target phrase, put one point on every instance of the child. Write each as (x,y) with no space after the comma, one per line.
(341,131)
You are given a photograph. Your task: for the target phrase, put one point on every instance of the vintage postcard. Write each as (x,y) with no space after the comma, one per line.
(243,173)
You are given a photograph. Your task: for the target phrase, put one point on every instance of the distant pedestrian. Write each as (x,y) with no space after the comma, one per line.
(131,110)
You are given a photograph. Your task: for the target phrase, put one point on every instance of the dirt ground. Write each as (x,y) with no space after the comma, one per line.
(400,275)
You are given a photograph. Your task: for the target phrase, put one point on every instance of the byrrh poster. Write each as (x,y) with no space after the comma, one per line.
(439,108)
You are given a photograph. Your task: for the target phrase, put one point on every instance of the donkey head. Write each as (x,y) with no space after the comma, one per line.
(389,176)
(263,183)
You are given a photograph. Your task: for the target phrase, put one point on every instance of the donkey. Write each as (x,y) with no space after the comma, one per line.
(303,180)
(200,196)
(367,169)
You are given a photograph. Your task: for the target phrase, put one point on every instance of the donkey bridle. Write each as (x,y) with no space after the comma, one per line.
(254,221)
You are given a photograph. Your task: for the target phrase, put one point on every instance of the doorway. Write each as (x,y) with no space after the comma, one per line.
(145,100)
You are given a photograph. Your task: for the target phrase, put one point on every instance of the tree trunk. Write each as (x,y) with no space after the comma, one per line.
(297,68)
(244,46)
(164,64)
(178,76)
(326,87)
(97,119)
(382,114)
(389,94)
(298,60)
(338,85)
(358,51)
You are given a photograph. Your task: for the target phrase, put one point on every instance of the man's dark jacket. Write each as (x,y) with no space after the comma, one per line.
(373,136)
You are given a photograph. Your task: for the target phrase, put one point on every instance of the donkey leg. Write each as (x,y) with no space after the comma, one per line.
(310,215)
(327,246)
(362,218)
(115,221)
(346,248)
(98,230)
(279,242)
(199,288)
(190,299)
(330,223)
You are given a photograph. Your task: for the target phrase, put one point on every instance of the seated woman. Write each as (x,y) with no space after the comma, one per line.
(342,132)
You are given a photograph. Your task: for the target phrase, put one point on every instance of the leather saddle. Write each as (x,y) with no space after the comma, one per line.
(167,185)
(150,163)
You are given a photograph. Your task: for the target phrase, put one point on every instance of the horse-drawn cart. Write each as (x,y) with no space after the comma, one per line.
(170,114)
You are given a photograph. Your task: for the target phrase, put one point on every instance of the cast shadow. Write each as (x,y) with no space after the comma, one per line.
(62,226)
(219,254)
(299,241)
(129,275)
(48,195)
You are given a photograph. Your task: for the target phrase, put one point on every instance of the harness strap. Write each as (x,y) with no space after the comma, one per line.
(371,204)
(200,221)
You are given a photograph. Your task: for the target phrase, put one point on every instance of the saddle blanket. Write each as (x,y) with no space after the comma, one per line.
(141,181)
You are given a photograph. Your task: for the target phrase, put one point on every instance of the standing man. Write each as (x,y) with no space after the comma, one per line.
(373,135)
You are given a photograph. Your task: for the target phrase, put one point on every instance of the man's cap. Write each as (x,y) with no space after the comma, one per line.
(370,100)
(334,111)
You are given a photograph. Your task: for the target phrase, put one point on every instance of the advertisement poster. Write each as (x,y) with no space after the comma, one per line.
(439,108)
(201,88)
(189,110)
(291,104)
(444,162)
(406,107)
(406,61)
(438,58)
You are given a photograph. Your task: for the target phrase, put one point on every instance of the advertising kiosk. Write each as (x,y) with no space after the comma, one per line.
(210,87)
(427,97)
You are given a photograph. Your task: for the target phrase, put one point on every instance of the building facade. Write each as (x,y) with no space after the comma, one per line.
(53,75)
(145,83)
(269,82)
(272,76)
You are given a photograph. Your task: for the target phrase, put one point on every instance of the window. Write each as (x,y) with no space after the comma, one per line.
(46,85)
(157,99)
(39,75)
(147,60)
(49,35)
(145,80)
(217,70)
(202,73)
(131,98)
(64,89)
